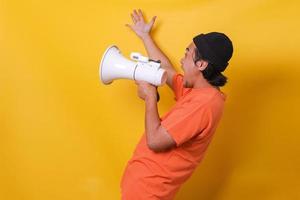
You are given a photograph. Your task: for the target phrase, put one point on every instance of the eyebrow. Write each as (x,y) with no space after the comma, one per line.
(187,49)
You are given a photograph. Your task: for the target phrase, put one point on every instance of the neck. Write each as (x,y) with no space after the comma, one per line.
(201,82)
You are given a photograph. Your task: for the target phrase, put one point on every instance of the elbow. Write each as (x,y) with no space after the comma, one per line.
(161,142)
(159,147)
(155,147)
(154,144)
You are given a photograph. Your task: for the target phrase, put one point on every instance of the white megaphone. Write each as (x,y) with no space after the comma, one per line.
(114,66)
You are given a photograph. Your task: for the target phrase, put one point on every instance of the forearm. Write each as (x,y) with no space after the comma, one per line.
(155,53)
(152,120)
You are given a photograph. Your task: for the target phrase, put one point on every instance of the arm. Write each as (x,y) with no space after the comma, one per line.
(156,54)
(158,139)
(142,29)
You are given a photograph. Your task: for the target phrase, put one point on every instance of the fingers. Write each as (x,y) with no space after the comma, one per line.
(140,14)
(133,18)
(136,15)
(137,82)
(140,82)
(128,25)
(152,21)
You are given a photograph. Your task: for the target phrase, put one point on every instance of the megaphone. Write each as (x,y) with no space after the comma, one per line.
(115,66)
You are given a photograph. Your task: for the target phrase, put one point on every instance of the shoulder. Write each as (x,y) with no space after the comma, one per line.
(210,101)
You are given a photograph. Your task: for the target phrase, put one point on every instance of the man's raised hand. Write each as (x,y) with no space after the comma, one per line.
(139,26)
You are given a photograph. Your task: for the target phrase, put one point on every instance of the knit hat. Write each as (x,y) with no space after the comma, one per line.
(216,48)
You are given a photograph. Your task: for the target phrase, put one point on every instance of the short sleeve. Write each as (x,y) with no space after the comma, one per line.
(186,122)
(177,85)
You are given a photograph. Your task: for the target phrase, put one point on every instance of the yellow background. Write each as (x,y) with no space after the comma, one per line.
(65,136)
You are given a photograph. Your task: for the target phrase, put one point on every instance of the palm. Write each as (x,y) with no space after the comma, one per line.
(141,27)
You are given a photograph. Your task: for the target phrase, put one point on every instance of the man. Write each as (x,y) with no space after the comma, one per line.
(173,146)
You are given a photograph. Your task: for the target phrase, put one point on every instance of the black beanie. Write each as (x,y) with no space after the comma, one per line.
(216,48)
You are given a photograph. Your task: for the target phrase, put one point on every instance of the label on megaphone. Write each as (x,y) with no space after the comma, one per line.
(138,57)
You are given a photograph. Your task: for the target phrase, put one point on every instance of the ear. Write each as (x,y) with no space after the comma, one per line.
(201,64)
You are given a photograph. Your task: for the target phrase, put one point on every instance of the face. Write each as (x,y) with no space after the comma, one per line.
(189,67)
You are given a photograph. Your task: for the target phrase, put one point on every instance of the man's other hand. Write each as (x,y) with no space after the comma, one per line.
(146,91)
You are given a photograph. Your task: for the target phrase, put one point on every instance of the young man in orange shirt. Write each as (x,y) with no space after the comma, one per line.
(173,145)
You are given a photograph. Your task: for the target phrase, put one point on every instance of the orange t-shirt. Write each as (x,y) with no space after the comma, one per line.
(191,122)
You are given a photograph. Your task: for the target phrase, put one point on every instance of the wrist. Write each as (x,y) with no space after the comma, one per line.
(146,37)
(151,98)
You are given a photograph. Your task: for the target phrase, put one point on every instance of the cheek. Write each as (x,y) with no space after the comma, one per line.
(191,60)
